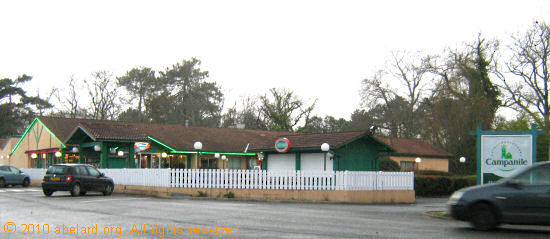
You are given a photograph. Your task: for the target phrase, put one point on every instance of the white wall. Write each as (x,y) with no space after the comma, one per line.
(281,161)
(314,161)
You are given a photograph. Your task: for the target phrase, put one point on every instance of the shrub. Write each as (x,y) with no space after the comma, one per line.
(387,164)
(202,194)
(432,172)
(229,195)
(430,185)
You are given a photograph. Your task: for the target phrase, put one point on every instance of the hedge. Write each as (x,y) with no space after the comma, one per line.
(435,185)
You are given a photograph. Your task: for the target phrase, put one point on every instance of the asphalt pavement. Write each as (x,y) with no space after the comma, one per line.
(26,213)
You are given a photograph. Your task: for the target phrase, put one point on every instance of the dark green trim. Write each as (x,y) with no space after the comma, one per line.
(298,160)
(418,155)
(264,162)
(161,143)
(209,152)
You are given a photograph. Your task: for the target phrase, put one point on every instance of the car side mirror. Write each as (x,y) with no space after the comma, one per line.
(101,174)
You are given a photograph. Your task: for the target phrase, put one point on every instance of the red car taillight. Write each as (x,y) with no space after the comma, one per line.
(69,178)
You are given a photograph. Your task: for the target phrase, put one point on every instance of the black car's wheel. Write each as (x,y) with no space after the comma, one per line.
(26,182)
(2,183)
(82,193)
(108,189)
(483,218)
(48,193)
(75,191)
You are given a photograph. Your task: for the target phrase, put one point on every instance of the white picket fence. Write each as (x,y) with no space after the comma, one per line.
(291,179)
(256,179)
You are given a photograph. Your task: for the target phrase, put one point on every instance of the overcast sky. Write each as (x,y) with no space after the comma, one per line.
(319,49)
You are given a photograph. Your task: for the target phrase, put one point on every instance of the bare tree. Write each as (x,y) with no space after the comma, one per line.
(103,96)
(69,100)
(528,90)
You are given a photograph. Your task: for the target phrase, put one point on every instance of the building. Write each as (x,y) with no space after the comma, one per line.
(6,144)
(111,144)
(408,150)
(353,151)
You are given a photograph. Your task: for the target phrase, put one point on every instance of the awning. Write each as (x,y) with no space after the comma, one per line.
(43,151)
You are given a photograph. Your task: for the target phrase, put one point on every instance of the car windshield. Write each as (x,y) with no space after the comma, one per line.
(57,169)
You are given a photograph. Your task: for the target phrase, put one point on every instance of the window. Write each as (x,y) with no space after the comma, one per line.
(537,176)
(407,166)
(94,172)
(4,168)
(15,170)
(234,163)
(57,170)
(81,171)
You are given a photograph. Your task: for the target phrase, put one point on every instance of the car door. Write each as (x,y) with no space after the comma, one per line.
(96,179)
(86,181)
(8,175)
(528,200)
(17,176)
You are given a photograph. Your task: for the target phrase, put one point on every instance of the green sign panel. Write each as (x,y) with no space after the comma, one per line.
(502,155)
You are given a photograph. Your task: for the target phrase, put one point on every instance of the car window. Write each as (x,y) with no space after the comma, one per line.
(94,172)
(81,170)
(4,168)
(57,169)
(537,176)
(15,170)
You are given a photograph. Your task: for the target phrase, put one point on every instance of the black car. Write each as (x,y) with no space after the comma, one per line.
(76,178)
(520,199)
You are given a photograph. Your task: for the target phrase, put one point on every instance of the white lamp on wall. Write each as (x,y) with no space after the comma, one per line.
(97,147)
(57,154)
(164,154)
(462,159)
(75,150)
(33,155)
(120,153)
(197,145)
(325,147)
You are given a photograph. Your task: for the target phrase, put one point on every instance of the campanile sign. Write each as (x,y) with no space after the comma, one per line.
(501,153)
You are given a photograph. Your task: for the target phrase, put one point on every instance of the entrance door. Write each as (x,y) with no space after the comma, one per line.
(281,162)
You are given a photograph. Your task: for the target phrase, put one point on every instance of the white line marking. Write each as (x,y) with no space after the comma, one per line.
(104,200)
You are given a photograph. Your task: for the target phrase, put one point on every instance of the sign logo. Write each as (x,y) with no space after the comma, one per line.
(502,155)
(282,145)
(142,146)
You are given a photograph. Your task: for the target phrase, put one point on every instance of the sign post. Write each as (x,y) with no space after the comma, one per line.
(501,153)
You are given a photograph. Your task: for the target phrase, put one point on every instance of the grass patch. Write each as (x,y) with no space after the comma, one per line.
(438,214)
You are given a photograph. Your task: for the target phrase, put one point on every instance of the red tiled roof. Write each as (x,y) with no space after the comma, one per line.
(414,147)
(178,137)
(314,140)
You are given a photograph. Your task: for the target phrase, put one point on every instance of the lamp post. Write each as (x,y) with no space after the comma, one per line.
(224,159)
(198,146)
(417,160)
(325,147)
(217,156)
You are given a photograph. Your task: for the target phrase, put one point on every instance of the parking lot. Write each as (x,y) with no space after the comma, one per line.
(130,216)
